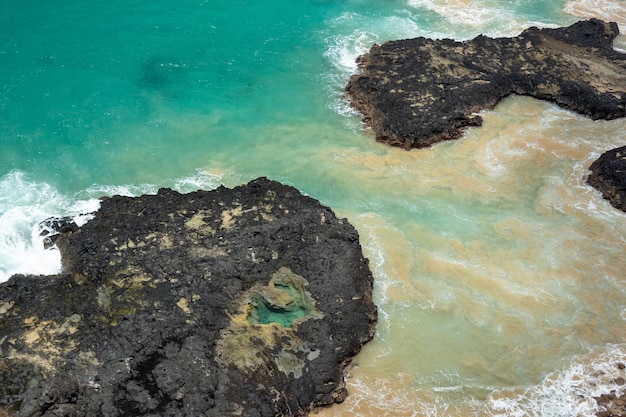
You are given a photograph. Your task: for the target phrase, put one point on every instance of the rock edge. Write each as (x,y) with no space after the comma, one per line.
(608,175)
(248,301)
(415,92)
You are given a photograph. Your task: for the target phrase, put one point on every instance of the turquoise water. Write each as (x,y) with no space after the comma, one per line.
(141,92)
(498,271)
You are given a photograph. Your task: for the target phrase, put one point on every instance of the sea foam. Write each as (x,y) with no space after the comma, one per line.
(570,391)
(608,10)
(25,203)
(350,40)
(465,19)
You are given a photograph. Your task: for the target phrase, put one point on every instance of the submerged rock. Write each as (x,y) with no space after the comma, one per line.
(248,301)
(416,92)
(613,404)
(608,174)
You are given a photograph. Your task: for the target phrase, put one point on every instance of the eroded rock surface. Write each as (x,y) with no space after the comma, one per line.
(416,92)
(608,174)
(247,301)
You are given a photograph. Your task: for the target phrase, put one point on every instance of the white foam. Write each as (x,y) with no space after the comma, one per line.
(607,10)
(375,251)
(201,180)
(564,393)
(568,392)
(473,13)
(342,50)
(23,205)
(350,40)
(127,190)
(468,18)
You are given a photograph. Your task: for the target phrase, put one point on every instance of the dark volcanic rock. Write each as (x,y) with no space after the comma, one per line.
(608,174)
(613,404)
(415,92)
(247,301)
(52,228)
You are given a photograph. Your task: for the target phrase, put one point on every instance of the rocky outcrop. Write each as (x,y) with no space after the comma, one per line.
(613,404)
(416,92)
(248,301)
(608,174)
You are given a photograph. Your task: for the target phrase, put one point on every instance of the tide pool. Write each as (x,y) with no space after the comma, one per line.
(498,271)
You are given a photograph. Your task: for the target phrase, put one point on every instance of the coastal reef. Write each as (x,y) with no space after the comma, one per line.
(248,301)
(416,92)
(608,174)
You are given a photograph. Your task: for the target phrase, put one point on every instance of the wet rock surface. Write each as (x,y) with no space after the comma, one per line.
(613,404)
(416,92)
(248,301)
(608,174)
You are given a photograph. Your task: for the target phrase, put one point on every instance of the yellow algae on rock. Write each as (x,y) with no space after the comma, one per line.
(5,307)
(183,305)
(196,222)
(268,316)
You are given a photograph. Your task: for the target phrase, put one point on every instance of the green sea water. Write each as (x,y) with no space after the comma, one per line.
(499,273)
(142,92)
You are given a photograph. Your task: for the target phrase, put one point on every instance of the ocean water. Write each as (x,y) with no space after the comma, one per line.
(499,272)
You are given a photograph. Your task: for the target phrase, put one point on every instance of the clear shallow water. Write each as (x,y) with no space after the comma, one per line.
(499,273)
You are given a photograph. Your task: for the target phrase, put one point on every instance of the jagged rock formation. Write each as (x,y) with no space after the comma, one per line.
(416,92)
(248,301)
(608,174)
(613,404)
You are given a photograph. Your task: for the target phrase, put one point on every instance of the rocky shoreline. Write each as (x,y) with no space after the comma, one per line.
(252,301)
(416,92)
(608,175)
(413,93)
(612,403)
(248,301)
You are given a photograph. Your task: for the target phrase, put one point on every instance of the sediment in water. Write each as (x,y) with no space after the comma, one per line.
(416,92)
